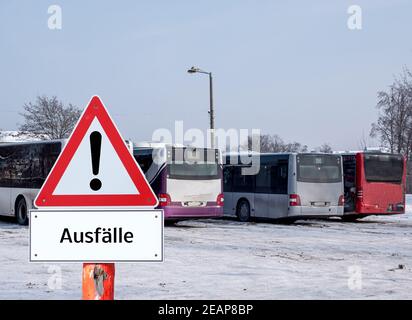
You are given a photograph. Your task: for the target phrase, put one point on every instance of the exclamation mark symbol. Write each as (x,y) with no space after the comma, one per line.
(95,147)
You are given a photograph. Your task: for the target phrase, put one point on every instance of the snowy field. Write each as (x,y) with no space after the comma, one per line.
(224,259)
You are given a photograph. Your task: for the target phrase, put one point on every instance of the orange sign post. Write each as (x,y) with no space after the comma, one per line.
(98,281)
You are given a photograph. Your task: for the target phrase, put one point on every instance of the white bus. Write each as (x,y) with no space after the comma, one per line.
(288,186)
(24,167)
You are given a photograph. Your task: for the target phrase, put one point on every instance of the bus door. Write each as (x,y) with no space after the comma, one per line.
(262,190)
(5,180)
(349,178)
(229,206)
(244,188)
(278,197)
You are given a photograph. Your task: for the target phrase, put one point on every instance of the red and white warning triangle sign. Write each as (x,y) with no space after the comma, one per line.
(95,168)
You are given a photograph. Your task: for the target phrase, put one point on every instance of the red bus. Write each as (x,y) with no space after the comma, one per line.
(374,184)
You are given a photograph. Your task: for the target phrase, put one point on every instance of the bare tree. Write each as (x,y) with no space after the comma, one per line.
(48,118)
(274,143)
(325,148)
(295,147)
(363,142)
(394,125)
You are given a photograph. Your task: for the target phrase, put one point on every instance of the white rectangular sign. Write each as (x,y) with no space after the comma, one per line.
(96,235)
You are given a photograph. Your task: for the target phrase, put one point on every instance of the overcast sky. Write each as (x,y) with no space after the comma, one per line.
(287,67)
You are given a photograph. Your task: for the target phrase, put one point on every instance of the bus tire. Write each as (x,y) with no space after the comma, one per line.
(21,213)
(170,222)
(351,218)
(243,210)
(286,221)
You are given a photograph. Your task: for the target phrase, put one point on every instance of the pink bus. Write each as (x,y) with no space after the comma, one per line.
(186,180)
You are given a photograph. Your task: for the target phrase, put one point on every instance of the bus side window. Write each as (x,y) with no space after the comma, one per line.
(242,183)
(263,179)
(144,161)
(28,160)
(32,180)
(279,181)
(18,167)
(47,157)
(349,172)
(4,167)
(227,179)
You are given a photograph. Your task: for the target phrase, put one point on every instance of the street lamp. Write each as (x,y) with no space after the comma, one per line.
(211,110)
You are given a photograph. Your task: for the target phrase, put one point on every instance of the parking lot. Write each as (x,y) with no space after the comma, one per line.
(226,259)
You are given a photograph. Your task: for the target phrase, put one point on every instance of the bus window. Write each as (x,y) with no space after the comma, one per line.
(227,179)
(279,174)
(193,170)
(263,180)
(46,155)
(144,161)
(349,182)
(242,183)
(5,153)
(383,168)
(318,168)
(21,167)
(349,171)
(27,166)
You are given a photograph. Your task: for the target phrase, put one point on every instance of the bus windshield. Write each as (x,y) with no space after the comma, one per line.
(193,171)
(383,168)
(319,168)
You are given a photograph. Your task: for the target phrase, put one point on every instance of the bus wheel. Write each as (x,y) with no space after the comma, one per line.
(286,221)
(21,212)
(243,211)
(170,222)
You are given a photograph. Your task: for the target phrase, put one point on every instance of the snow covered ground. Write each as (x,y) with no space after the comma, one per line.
(224,259)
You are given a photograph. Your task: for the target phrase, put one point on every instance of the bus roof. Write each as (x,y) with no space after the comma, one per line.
(367,150)
(6,144)
(266,158)
(149,144)
(371,152)
(268,154)
(161,145)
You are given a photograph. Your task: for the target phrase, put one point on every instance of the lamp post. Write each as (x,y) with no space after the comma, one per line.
(211,110)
